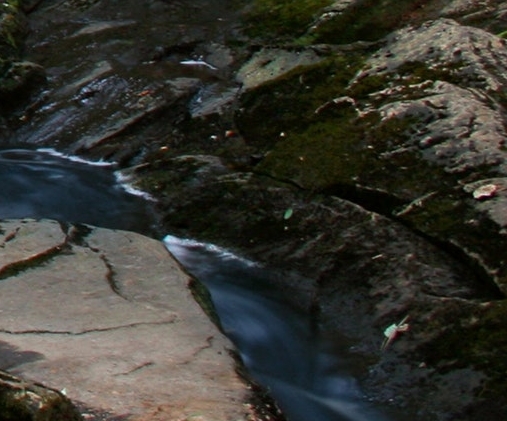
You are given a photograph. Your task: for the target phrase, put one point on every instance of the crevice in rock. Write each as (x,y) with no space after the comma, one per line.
(13,269)
(385,204)
(111,278)
(76,233)
(136,369)
(374,200)
(87,331)
(9,237)
(208,345)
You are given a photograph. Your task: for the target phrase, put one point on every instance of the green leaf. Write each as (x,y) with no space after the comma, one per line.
(288,213)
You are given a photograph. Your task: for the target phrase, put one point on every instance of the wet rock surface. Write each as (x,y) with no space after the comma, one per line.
(108,317)
(364,155)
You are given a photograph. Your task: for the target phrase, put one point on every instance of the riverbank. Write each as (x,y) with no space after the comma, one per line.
(360,148)
(357,163)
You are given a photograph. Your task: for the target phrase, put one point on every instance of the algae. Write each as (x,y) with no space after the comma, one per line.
(275,19)
(289,103)
(369,20)
(12,29)
(475,337)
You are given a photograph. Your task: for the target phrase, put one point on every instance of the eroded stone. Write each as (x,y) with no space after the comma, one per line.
(111,319)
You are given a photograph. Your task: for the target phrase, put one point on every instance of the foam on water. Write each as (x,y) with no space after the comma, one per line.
(125,181)
(74,158)
(48,184)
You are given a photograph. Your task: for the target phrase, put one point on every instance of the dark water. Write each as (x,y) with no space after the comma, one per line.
(277,343)
(42,184)
(309,380)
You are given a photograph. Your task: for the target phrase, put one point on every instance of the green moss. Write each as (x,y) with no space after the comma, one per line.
(325,143)
(406,78)
(290,102)
(12,410)
(20,401)
(413,72)
(478,339)
(342,152)
(369,20)
(282,18)
(322,155)
(12,29)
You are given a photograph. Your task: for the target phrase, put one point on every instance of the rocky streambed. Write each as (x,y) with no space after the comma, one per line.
(358,146)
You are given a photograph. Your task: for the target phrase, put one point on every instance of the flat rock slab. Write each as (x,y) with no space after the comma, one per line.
(108,316)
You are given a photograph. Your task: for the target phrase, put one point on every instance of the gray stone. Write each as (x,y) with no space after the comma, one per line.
(270,63)
(477,56)
(464,128)
(109,317)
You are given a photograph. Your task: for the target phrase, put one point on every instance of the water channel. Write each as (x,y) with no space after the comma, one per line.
(277,343)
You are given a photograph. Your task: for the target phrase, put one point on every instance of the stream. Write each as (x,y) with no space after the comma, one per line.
(277,343)
(108,68)
(308,378)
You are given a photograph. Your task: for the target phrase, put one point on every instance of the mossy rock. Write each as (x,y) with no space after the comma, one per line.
(282,19)
(20,78)
(24,401)
(288,103)
(16,76)
(472,336)
(370,20)
(450,217)
(319,140)
(13,29)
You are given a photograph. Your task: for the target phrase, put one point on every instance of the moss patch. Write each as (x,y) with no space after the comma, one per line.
(12,29)
(308,122)
(477,339)
(324,154)
(370,20)
(282,18)
(288,104)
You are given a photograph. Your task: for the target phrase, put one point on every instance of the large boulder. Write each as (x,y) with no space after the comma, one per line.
(108,316)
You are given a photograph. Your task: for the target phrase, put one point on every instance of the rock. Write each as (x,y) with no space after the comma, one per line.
(13,27)
(356,271)
(352,139)
(411,131)
(348,21)
(20,78)
(109,317)
(24,401)
(270,63)
(98,27)
(477,58)
(458,124)
(412,126)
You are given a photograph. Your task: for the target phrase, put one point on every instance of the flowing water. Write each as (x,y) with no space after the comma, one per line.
(105,65)
(44,184)
(277,343)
